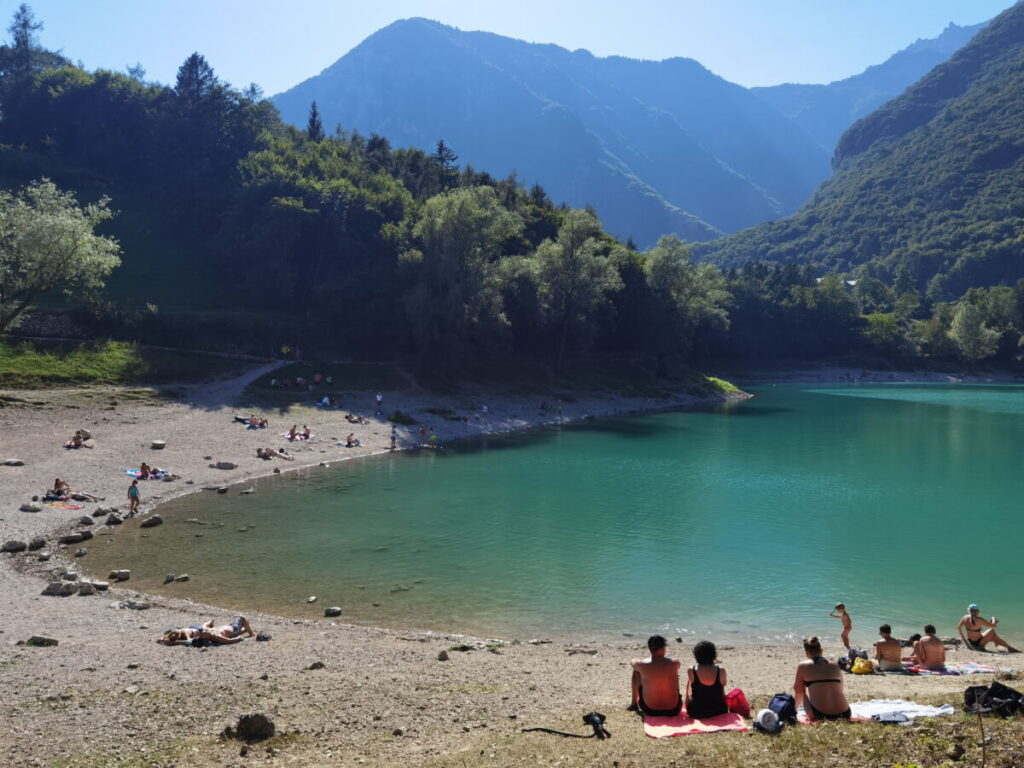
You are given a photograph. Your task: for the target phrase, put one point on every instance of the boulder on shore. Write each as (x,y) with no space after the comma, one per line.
(158,445)
(119,575)
(226,465)
(13,545)
(151,522)
(61,588)
(29,506)
(254,727)
(72,538)
(14,463)
(114,519)
(85,520)
(86,588)
(41,642)
(37,543)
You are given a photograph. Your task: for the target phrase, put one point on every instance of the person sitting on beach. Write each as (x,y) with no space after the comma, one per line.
(819,685)
(981,632)
(60,488)
(145,471)
(325,402)
(77,440)
(929,651)
(655,682)
(305,433)
(705,683)
(351,441)
(261,453)
(293,432)
(887,650)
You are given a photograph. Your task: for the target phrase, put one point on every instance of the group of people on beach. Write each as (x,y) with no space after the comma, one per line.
(818,686)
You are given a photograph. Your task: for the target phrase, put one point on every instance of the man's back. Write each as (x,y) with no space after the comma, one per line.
(659,679)
(888,649)
(931,652)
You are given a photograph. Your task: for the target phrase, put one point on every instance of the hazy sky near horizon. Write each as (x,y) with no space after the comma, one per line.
(750,42)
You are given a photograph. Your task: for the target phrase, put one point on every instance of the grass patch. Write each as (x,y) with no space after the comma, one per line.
(31,364)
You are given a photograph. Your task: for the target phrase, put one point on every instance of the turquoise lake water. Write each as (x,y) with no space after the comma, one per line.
(743,523)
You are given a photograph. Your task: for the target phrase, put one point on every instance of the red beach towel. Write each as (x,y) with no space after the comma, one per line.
(684,725)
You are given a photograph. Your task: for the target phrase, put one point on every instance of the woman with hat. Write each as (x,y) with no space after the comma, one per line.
(980,632)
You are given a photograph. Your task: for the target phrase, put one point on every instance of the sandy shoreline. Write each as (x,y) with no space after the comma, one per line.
(108,680)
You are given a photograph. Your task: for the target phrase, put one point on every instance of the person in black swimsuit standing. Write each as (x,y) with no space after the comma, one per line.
(980,632)
(819,685)
(705,685)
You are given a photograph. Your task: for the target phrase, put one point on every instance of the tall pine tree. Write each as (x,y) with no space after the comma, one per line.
(315,126)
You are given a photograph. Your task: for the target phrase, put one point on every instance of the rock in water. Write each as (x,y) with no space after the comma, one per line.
(13,545)
(311,599)
(151,522)
(182,577)
(81,552)
(168,578)
(333,611)
(114,519)
(72,538)
(121,575)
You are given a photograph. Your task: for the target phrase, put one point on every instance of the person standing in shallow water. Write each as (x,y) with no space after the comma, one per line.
(394,438)
(134,497)
(655,682)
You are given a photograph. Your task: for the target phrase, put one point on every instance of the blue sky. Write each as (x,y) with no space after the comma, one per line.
(277,45)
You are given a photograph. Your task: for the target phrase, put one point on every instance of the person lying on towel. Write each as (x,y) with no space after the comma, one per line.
(655,682)
(221,635)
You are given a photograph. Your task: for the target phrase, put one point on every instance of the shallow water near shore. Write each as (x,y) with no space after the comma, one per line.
(745,523)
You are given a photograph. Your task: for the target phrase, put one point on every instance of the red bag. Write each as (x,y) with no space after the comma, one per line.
(737,702)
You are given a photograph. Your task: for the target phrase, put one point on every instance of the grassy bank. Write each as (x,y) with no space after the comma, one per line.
(28,364)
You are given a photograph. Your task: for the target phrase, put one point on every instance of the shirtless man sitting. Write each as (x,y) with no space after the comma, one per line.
(929,651)
(887,650)
(655,682)
(980,632)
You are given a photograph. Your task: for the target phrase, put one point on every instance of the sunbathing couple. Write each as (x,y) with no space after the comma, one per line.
(270,453)
(295,434)
(655,683)
(818,686)
(61,491)
(356,419)
(77,440)
(225,634)
(147,472)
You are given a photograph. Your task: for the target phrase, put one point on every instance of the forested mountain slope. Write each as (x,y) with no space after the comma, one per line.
(929,189)
(825,111)
(655,147)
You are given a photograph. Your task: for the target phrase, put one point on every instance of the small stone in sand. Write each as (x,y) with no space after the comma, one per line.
(316,665)
(442,656)
(311,599)
(37,641)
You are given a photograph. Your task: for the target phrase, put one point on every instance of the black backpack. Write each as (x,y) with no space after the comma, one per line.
(784,706)
(997,698)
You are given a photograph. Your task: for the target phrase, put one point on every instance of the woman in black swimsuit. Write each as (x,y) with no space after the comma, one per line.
(819,685)
(705,685)
(981,632)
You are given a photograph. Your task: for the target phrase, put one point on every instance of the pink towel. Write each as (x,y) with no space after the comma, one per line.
(684,725)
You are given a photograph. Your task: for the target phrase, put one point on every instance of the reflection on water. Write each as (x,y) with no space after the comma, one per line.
(692,523)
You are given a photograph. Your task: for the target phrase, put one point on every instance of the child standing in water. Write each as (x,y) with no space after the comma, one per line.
(841,614)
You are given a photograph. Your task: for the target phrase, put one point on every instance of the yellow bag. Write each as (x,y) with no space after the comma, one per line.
(862,667)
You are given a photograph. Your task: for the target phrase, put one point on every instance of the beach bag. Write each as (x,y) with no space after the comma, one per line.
(784,706)
(862,667)
(997,698)
(737,702)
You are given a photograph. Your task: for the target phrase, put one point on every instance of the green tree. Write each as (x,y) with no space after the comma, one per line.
(47,243)
(455,281)
(973,340)
(314,126)
(575,276)
(686,297)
